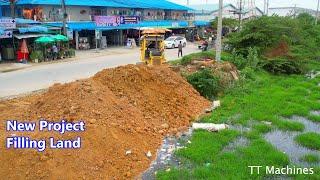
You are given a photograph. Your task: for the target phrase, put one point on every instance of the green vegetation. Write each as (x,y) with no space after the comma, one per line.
(269,98)
(311,158)
(314,118)
(273,55)
(36,55)
(284,44)
(209,162)
(227,22)
(205,146)
(205,83)
(310,140)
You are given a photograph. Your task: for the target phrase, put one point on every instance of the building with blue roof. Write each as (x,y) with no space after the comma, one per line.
(81,16)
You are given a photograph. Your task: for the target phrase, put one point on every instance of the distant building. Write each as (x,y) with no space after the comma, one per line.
(290,11)
(208,12)
(252,13)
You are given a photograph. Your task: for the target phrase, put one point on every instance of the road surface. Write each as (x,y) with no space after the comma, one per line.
(43,76)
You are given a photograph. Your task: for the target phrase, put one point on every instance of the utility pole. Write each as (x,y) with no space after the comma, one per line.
(295,11)
(267,7)
(264,6)
(12,8)
(240,14)
(317,14)
(65,15)
(219,32)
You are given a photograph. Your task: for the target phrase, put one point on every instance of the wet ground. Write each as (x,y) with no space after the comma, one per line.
(239,142)
(284,141)
(165,155)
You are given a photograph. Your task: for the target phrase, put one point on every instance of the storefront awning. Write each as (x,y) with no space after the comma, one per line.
(201,23)
(90,25)
(26,36)
(33,29)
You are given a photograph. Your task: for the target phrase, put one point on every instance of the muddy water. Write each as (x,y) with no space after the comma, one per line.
(284,141)
(165,155)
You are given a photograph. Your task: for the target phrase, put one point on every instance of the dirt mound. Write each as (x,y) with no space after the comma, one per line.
(226,71)
(128,108)
(282,49)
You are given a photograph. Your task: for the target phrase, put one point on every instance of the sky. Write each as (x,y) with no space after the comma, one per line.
(311,4)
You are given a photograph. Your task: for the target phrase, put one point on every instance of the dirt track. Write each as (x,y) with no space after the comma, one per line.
(126,108)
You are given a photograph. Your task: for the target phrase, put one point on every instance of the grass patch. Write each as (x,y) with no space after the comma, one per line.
(267,98)
(310,140)
(200,56)
(311,158)
(314,118)
(287,125)
(228,165)
(262,128)
(205,146)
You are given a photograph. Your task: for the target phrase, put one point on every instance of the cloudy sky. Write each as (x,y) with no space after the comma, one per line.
(312,4)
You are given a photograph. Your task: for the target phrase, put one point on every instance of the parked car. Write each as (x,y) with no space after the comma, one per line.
(173,42)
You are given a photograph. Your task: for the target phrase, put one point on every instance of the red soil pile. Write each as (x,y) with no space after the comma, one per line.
(126,108)
(282,49)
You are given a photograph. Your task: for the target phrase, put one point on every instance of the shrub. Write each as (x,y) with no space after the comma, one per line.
(205,83)
(186,60)
(36,55)
(238,60)
(283,66)
(248,73)
(253,59)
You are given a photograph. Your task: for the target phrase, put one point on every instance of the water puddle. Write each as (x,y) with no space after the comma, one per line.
(284,141)
(165,155)
(239,142)
(310,126)
(316,113)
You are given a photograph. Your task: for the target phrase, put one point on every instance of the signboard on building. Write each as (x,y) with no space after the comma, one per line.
(107,21)
(6,34)
(129,19)
(8,23)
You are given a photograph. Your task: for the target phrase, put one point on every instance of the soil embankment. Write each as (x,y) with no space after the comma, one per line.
(126,109)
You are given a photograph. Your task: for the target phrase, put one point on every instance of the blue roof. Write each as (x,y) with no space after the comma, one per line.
(106,3)
(1,31)
(153,4)
(143,4)
(90,25)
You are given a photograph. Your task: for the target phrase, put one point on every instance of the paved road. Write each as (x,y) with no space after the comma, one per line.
(42,76)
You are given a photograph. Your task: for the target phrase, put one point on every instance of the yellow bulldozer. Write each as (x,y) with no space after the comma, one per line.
(152,46)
